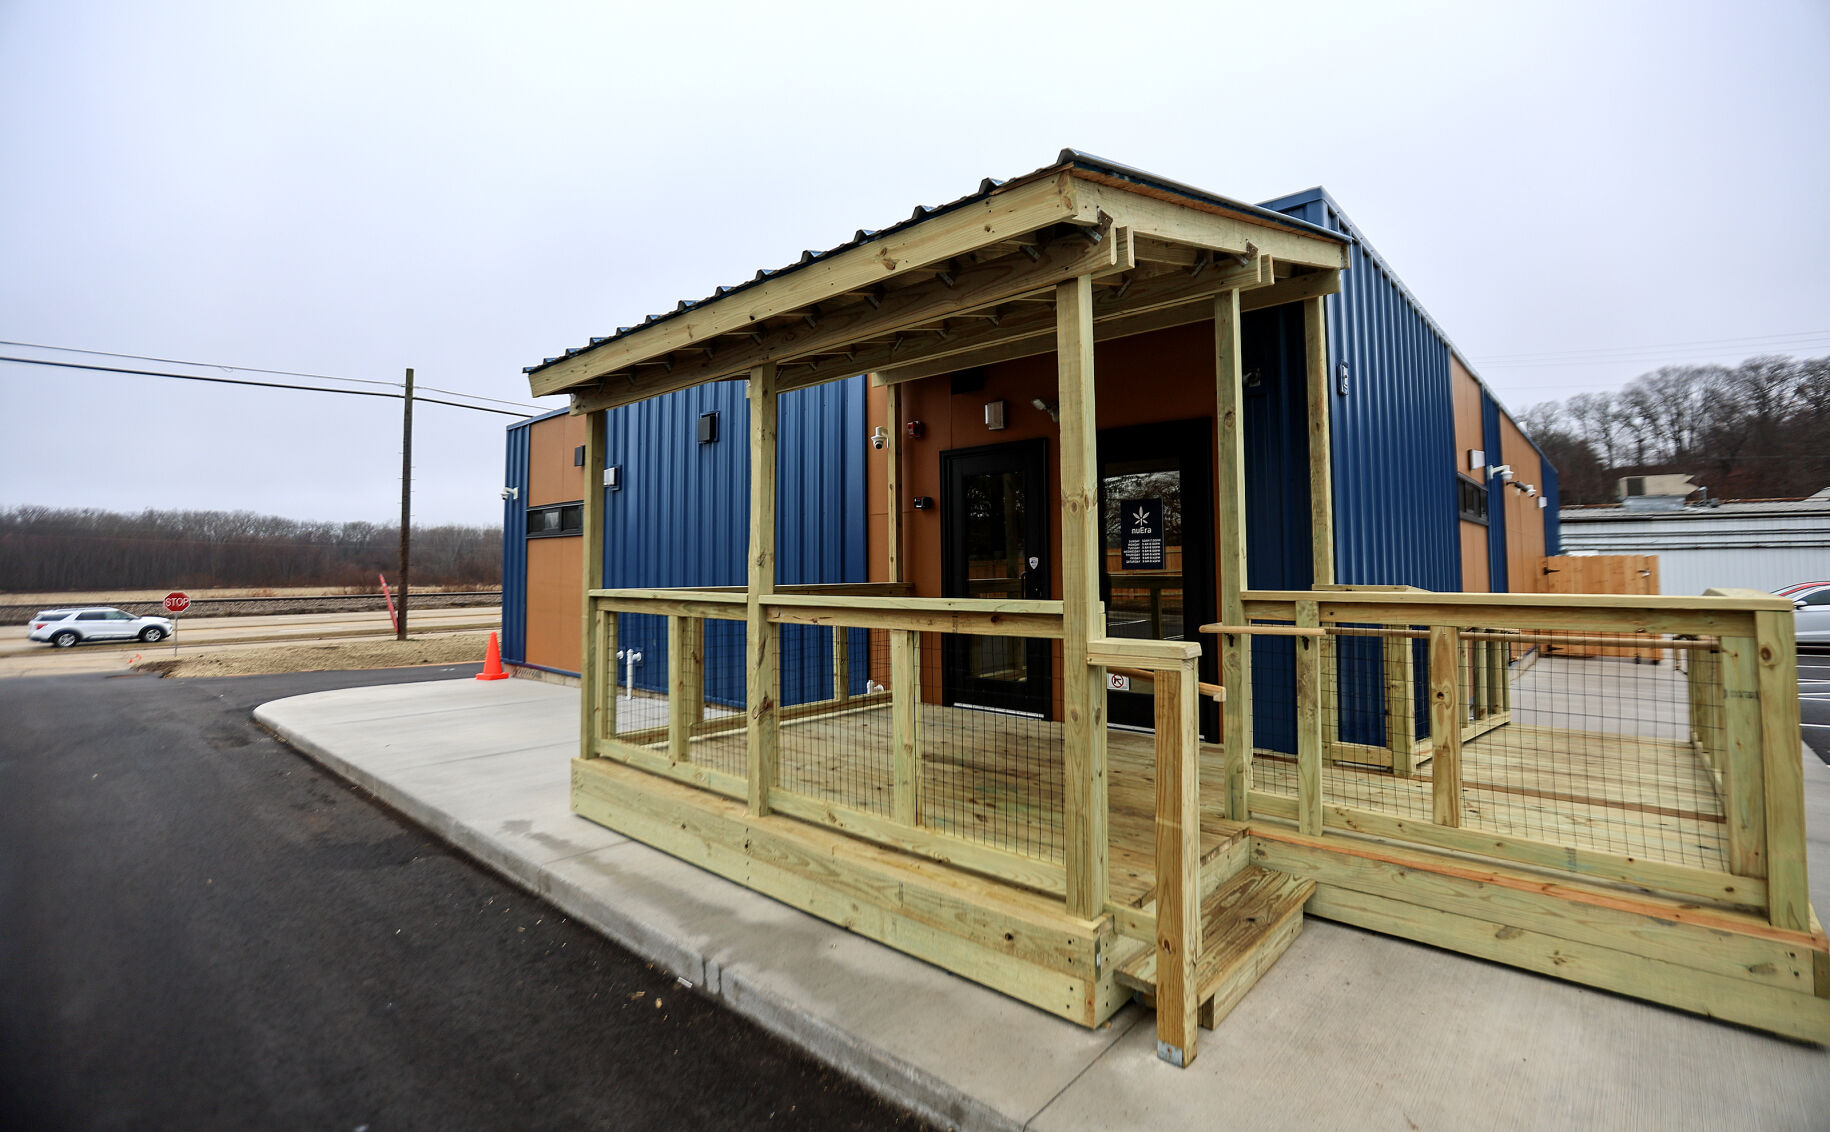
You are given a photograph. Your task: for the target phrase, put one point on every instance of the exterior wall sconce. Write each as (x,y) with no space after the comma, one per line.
(994,415)
(708,428)
(613,477)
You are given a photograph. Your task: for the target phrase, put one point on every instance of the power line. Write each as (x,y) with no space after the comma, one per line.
(259,384)
(258,369)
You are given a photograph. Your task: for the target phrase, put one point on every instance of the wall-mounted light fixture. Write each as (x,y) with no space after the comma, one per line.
(578,456)
(708,427)
(994,415)
(613,477)
(1477,459)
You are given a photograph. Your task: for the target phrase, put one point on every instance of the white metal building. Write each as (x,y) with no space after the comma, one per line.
(1763,545)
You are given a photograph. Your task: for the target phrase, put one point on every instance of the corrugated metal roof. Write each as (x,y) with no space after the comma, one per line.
(1068,159)
(1722,512)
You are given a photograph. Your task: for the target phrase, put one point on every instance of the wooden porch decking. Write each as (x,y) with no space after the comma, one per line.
(996,780)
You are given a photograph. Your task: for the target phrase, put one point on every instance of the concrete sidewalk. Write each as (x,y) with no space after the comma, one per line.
(1349,1029)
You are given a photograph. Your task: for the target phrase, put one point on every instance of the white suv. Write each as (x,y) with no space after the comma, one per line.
(65,627)
(1813,605)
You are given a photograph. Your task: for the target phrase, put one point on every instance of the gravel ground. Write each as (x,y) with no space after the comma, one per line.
(457,648)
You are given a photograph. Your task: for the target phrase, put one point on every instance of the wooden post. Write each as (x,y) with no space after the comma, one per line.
(1321,462)
(841,664)
(1309,721)
(685,683)
(1401,704)
(1445,723)
(1229,505)
(1743,779)
(905,724)
(1499,686)
(1178,862)
(1477,680)
(763,679)
(1782,758)
(597,709)
(1082,618)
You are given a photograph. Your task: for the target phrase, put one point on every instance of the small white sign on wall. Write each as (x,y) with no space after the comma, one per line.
(1117,682)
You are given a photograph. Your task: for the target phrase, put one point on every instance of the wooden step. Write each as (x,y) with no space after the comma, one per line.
(1245,925)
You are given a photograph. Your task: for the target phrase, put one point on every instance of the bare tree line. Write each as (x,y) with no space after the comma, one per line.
(54,549)
(1758,430)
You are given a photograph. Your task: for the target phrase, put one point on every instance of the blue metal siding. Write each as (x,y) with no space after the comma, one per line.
(1498,579)
(1393,433)
(682,519)
(1553,527)
(514,546)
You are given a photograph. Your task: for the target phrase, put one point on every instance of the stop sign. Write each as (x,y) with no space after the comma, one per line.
(177,602)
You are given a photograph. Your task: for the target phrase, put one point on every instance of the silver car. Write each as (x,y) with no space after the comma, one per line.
(66,627)
(1812,605)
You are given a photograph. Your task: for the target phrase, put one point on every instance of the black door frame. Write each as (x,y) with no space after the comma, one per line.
(1030,459)
(1192,440)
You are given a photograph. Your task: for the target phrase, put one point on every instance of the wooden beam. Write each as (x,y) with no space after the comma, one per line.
(1013,212)
(1024,333)
(1743,788)
(1082,618)
(1401,704)
(905,725)
(1445,725)
(685,683)
(1178,219)
(597,709)
(906,309)
(1321,454)
(1178,864)
(763,676)
(1309,722)
(1229,507)
(1782,771)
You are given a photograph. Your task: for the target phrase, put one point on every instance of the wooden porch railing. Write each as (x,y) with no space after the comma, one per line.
(1491,752)
(875,633)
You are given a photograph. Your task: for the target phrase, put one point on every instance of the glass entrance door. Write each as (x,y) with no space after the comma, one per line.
(1158,582)
(994,544)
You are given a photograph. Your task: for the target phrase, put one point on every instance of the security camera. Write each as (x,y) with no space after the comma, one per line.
(1504,471)
(511,493)
(1531,491)
(880,439)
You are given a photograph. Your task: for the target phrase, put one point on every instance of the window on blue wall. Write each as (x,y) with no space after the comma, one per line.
(1473,499)
(555,521)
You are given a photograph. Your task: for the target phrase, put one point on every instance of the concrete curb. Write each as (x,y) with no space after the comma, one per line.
(927,1094)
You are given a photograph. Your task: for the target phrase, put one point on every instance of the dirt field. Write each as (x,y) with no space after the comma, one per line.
(116,597)
(464,648)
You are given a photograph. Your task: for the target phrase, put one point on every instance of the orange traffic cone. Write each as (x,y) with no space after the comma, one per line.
(492,662)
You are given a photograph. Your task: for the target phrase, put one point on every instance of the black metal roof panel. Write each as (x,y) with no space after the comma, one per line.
(1068,159)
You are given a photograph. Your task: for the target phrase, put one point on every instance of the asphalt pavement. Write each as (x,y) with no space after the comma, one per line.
(1814,700)
(201,929)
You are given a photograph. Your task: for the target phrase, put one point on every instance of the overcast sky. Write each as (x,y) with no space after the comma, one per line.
(354,188)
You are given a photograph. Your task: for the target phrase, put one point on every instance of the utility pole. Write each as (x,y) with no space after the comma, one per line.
(406,504)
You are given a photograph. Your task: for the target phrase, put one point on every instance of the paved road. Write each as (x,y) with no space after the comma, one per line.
(268,628)
(1814,699)
(199,929)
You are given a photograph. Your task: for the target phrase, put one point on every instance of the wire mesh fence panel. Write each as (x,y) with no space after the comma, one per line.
(1274,715)
(836,736)
(638,678)
(1608,753)
(711,696)
(992,774)
(1369,746)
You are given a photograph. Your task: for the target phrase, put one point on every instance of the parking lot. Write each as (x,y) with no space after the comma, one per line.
(1814,699)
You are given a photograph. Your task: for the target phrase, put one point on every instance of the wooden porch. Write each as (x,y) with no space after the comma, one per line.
(1380,759)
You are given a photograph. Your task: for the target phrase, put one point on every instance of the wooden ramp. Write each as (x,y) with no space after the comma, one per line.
(1246,924)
